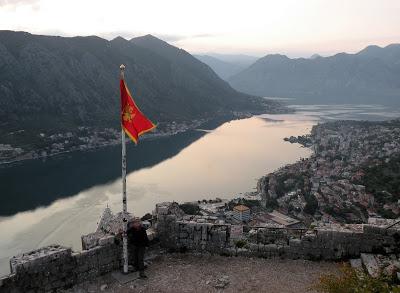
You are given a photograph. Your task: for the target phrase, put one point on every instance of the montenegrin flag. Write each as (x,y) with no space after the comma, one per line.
(133,121)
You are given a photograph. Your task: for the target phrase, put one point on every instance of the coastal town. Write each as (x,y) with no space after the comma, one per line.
(352,175)
(338,184)
(23,145)
(82,139)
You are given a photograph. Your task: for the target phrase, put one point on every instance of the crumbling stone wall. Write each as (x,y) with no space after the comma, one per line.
(54,267)
(187,235)
(274,235)
(331,244)
(198,236)
(176,233)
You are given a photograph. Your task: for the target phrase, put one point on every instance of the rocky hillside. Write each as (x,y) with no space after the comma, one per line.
(369,76)
(74,81)
(54,85)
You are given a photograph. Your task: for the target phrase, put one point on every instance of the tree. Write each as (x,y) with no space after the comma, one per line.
(190,208)
(311,204)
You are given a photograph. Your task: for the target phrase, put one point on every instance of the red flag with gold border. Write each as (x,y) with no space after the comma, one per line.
(133,121)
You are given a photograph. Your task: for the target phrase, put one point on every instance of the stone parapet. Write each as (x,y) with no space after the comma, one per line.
(178,234)
(54,267)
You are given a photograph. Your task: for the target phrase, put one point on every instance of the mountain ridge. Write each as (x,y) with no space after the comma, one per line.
(51,85)
(14,45)
(369,76)
(222,68)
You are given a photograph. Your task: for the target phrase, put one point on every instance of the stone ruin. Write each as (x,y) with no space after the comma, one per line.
(54,267)
(375,247)
(110,223)
(108,226)
(178,233)
(39,257)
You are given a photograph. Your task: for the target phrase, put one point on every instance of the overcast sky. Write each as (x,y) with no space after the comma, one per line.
(293,27)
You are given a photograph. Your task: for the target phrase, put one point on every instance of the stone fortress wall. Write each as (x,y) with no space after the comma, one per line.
(55,267)
(182,234)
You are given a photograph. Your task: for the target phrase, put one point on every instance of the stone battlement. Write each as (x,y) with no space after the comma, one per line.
(176,233)
(54,267)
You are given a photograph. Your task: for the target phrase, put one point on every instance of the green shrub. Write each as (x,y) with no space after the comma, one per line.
(350,280)
(146,217)
(251,203)
(271,204)
(240,243)
(190,208)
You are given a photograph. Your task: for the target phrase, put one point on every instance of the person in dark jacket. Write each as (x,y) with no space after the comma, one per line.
(137,242)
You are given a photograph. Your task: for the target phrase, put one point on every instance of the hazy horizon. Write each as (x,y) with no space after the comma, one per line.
(293,28)
(223,53)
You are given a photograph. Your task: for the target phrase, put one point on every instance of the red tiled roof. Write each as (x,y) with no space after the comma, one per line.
(241,208)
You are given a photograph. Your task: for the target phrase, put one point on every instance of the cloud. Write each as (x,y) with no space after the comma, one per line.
(14,3)
(177,38)
(165,37)
(130,34)
(170,38)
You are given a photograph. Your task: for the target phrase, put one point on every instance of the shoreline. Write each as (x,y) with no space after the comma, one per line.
(335,183)
(116,149)
(90,148)
(274,169)
(178,128)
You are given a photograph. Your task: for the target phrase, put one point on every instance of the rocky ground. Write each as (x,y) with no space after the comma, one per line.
(196,273)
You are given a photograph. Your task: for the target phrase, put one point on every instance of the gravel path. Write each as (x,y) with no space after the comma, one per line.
(195,273)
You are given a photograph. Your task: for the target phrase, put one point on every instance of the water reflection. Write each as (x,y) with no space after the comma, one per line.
(201,164)
(36,183)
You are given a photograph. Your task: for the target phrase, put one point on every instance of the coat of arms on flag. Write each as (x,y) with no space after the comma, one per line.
(133,121)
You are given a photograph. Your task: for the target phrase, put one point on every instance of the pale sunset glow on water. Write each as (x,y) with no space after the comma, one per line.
(224,162)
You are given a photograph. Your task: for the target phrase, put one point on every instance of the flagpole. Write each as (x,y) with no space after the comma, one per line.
(124,205)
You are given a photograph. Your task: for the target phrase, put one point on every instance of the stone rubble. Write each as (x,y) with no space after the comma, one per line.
(222,282)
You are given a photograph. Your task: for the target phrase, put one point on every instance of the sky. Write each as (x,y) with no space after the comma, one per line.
(297,28)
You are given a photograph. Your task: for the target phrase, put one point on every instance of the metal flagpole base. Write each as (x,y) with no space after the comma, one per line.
(124,278)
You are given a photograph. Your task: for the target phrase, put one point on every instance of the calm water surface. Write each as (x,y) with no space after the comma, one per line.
(58,200)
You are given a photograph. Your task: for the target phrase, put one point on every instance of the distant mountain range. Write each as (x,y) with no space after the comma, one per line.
(240,59)
(369,76)
(226,65)
(54,84)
